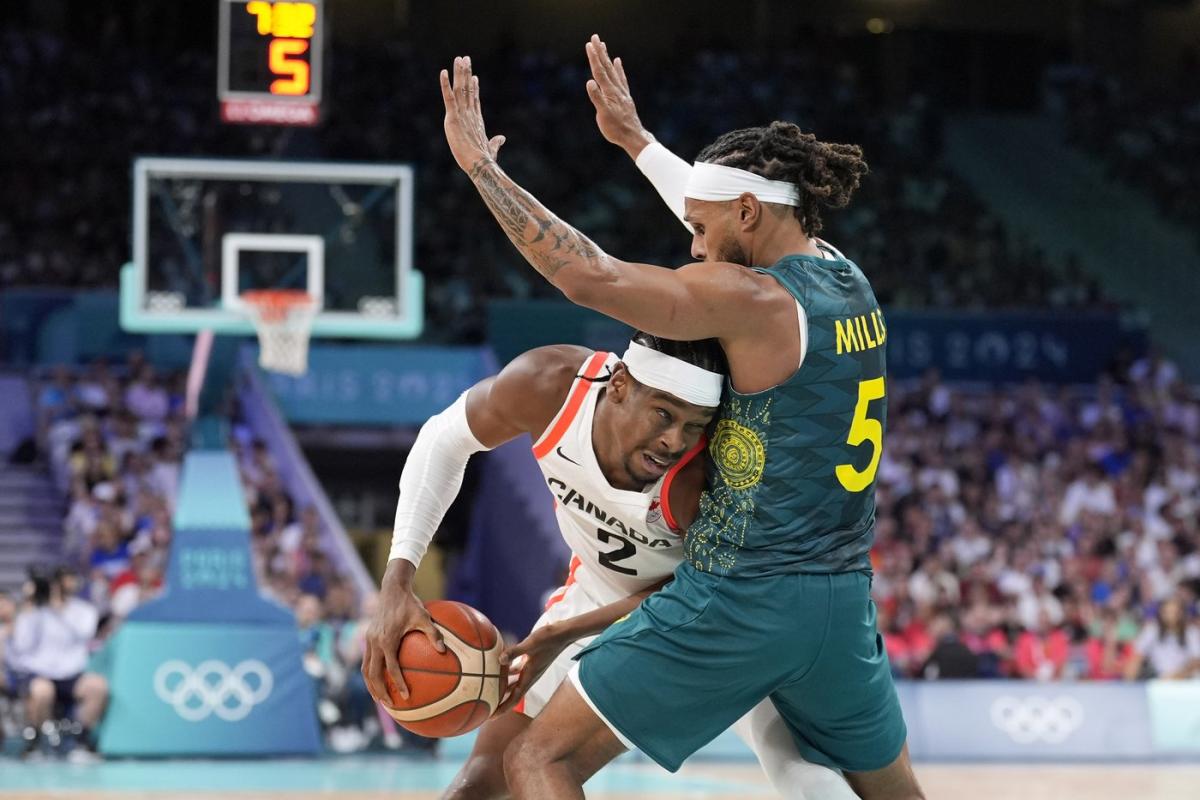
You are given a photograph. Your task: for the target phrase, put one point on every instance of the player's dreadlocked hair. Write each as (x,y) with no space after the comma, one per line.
(703,353)
(827,173)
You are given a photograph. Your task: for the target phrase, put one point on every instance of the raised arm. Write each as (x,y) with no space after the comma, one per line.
(523,398)
(698,301)
(618,121)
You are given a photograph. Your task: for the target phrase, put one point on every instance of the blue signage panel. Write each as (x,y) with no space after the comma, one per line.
(208,689)
(1028,721)
(1069,347)
(209,579)
(378,385)
(1020,721)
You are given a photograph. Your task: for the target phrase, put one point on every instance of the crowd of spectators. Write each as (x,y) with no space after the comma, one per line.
(920,232)
(114,436)
(1042,532)
(1148,138)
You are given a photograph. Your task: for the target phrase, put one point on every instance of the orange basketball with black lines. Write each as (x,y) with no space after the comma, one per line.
(453,692)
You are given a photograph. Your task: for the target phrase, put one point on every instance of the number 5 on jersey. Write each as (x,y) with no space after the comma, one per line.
(863,429)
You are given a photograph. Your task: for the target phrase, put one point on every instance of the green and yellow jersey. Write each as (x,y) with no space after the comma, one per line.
(792,469)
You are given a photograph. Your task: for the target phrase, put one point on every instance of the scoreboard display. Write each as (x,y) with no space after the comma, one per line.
(269,61)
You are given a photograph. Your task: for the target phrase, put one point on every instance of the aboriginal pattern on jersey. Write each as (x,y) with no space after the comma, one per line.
(737,459)
(774,503)
(738,453)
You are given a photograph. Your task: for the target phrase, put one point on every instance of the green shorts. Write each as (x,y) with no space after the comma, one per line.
(703,651)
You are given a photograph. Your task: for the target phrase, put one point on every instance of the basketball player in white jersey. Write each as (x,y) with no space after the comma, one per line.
(620,444)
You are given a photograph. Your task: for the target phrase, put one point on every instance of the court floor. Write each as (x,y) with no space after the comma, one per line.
(395,778)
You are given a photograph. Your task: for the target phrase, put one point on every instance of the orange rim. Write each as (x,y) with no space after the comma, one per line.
(274,304)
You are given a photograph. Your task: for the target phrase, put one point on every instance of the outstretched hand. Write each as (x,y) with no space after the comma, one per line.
(526,661)
(465,132)
(616,115)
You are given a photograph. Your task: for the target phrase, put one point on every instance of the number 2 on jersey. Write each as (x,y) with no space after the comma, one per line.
(626,550)
(863,429)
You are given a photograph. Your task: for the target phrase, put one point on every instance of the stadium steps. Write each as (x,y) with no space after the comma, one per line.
(31,518)
(17,415)
(1062,199)
(264,418)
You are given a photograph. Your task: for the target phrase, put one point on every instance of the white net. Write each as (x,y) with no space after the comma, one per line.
(283,320)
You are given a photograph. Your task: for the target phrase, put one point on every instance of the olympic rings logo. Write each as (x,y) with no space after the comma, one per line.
(213,688)
(1037,718)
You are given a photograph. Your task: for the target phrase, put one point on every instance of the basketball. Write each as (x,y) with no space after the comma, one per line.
(453,692)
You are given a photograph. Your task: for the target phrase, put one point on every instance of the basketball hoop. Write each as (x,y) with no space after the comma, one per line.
(283,320)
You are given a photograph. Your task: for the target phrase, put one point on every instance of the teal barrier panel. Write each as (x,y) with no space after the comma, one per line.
(210,667)
(1175,716)
(44,327)
(22,314)
(515,326)
(208,689)
(210,480)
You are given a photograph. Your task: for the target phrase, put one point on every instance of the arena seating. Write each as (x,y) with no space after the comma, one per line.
(926,240)
(1149,140)
(1039,533)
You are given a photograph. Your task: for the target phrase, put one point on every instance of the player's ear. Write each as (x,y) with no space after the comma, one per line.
(620,384)
(749,211)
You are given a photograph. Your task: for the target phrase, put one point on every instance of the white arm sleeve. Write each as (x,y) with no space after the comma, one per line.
(669,175)
(432,476)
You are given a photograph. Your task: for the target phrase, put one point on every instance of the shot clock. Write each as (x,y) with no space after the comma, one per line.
(269,64)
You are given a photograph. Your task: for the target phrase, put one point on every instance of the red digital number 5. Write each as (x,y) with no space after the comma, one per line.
(294,74)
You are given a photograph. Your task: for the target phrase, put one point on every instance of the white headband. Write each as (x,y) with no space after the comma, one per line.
(673,376)
(717,182)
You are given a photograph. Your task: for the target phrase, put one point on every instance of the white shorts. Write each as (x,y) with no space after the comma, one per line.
(569,601)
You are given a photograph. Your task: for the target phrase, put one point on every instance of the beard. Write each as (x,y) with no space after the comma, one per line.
(731,251)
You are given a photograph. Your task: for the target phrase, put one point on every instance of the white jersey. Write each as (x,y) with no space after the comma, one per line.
(621,541)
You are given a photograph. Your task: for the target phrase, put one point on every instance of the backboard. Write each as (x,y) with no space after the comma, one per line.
(205,231)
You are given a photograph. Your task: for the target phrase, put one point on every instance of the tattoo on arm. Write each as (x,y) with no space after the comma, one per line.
(548,243)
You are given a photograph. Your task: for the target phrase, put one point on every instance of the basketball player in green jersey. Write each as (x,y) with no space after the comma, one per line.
(773,598)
